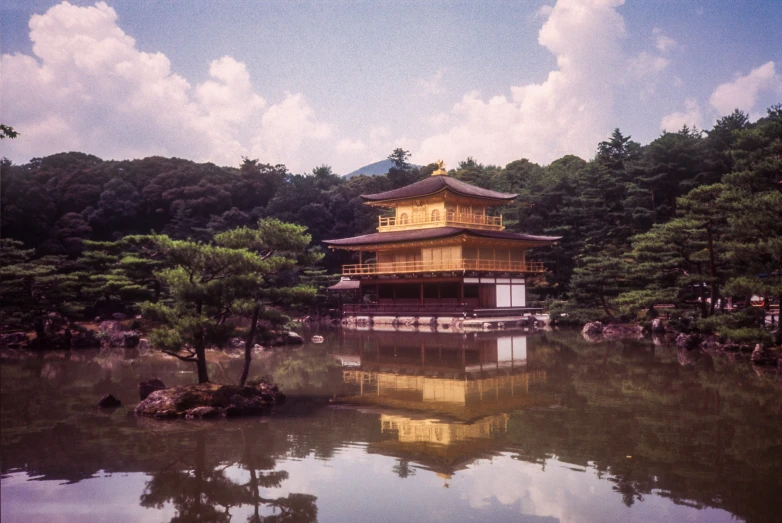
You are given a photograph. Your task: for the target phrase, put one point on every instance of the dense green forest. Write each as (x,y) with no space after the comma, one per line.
(692,220)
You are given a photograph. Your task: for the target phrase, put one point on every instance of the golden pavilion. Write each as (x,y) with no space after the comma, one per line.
(439,250)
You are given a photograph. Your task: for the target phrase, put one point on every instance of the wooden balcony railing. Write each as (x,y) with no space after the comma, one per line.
(441,266)
(389,223)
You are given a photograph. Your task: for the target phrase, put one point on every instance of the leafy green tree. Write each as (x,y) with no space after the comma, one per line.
(596,284)
(119,276)
(618,152)
(664,268)
(402,173)
(400,158)
(206,282)
(754,199)
(276,246)
(6,131)
(34,289)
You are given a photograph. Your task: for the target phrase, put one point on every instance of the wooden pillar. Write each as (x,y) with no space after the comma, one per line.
(461,291)
(421,293)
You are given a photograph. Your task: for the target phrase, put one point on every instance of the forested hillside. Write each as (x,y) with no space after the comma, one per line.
(691,219)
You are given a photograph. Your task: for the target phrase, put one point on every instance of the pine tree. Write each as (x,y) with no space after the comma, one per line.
(33,290)
(277,246)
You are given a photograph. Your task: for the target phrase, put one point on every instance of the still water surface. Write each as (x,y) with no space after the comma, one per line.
(404,427)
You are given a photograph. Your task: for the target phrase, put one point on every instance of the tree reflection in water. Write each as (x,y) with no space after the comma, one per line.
(403,469)
(205,493)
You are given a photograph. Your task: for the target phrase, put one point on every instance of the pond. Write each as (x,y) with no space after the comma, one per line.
(400,426)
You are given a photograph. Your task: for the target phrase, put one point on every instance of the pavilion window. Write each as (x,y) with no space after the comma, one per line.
(435,215)
(403,219)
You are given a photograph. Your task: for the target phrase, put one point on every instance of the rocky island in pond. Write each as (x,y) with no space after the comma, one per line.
(210,400)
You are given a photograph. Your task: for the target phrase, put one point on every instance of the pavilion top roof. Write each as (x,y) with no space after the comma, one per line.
(435,184)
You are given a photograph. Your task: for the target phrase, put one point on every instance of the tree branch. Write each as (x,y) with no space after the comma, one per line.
(191,359)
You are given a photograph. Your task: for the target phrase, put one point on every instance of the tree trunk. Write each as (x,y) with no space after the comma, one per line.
(200,348)
(248,346)
(203,376)
(712,272)
(605,304)
(704,310)
(778,336)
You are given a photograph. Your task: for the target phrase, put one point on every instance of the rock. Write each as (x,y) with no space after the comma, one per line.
(687,341)
(202,413)
(712,343)
(592,328)
(110,326)
(119,316)
(258,348)
(237,343)
(657,326)
(617,330)
(109,402)
(143,344)
(763,356)
(225,400)
(145,388)
(294,338)
(743,347)
(130,339)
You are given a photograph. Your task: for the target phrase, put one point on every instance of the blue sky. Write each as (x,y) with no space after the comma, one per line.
(343,83)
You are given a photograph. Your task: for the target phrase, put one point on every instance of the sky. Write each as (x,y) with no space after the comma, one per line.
(343,83)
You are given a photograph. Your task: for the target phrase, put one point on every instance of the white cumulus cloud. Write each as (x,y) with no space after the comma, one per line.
(692,116)
(662,42)
(743,92)
(432,85)
(89,88)
(568,113)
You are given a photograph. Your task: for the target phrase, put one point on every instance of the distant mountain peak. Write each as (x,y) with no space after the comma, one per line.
(373,169)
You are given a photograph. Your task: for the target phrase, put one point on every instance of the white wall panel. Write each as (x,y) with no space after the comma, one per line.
(503,295)
(518,297)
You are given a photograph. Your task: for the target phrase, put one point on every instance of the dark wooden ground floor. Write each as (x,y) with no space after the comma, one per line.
(439,295)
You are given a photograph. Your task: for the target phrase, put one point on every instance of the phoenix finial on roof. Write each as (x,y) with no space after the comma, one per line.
(440,168)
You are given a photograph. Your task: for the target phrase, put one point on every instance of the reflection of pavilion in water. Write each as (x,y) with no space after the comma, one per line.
(445,397)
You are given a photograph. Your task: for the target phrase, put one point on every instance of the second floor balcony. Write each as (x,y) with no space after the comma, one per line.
(460,265)
(437,218)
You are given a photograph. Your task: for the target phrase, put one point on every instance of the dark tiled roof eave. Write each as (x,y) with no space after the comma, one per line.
(435,234)
(435,184)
